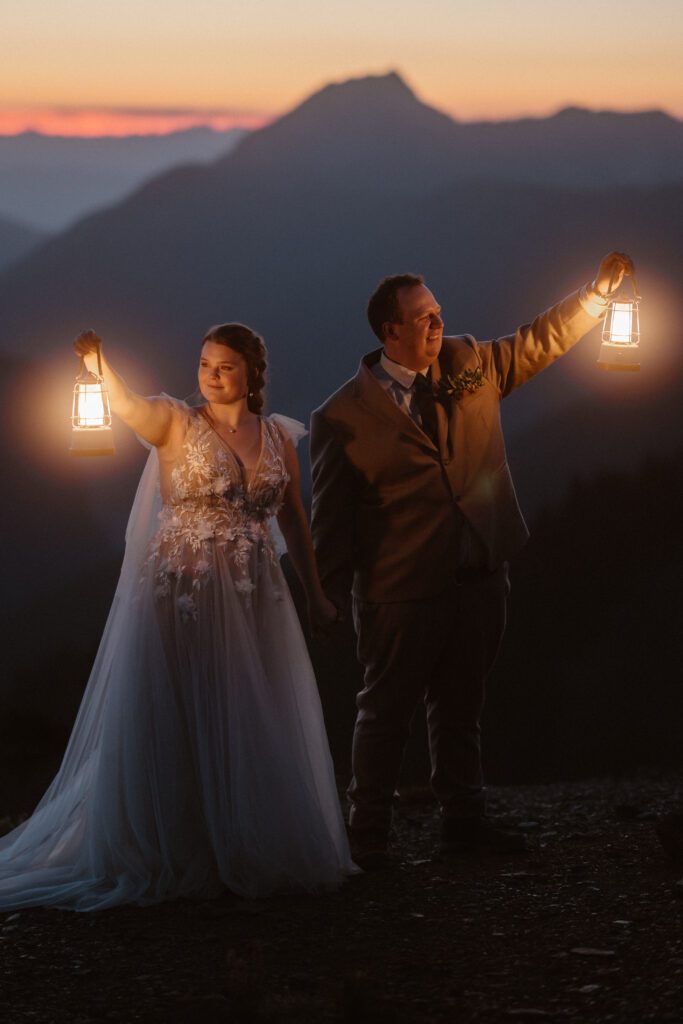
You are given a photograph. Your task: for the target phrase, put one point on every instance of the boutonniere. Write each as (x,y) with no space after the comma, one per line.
(455,385)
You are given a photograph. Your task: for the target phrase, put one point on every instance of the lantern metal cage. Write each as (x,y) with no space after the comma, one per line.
(91,432)
(620,348)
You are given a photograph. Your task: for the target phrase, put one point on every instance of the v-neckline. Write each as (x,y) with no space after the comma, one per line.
(241,468)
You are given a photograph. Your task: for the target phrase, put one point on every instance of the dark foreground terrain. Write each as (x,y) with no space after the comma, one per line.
(588,928)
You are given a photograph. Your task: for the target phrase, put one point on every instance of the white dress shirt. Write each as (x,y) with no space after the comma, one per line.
(397,381)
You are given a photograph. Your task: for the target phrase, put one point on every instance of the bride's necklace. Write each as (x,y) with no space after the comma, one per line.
(224,426)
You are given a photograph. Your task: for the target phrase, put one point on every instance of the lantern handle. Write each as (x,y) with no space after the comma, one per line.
(83,368)
(632,279)
(99,359)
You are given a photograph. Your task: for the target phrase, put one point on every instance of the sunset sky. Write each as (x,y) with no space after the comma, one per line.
(92,67)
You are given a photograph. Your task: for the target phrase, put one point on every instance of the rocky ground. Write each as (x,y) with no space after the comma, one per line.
(588,927)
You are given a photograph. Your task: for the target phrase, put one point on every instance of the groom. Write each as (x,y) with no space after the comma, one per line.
(415,514)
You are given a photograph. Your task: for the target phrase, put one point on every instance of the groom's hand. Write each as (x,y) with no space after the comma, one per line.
(611,272)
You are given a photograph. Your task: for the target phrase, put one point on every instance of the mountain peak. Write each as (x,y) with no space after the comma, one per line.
(368,117)
(350,130)
(384,92)
(391,83)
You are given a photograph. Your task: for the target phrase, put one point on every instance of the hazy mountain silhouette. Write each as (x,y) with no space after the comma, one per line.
(50,181)
(16,240)
(366,135)
(407,145)
(581,148)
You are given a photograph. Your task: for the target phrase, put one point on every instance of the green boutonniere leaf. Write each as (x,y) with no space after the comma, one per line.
(455,385)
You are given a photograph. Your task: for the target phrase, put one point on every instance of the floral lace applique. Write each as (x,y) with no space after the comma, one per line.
(210,506)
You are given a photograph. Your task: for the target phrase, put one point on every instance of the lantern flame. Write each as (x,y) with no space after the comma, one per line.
(620,329)
(89,407)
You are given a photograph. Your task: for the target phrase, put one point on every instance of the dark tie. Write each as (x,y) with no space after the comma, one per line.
(424,400)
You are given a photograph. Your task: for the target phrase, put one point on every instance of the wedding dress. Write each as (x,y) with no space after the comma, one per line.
(199,759)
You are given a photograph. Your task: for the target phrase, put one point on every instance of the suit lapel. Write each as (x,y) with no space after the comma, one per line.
(457,468)
(371,395)
(441,414)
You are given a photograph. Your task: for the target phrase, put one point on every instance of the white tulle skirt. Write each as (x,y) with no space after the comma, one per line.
(198,763)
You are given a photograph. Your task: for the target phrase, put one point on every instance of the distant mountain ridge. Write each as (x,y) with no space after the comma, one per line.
(16,240)
(584,148)
(573,147)
(50,181)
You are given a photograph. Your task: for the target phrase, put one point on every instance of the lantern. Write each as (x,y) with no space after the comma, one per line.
(91,416)
(621,333)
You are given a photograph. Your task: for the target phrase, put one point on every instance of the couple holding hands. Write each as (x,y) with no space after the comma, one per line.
(199,761)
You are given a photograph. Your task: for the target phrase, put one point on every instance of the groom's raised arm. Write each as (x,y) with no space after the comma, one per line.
(333,512)
(513,360)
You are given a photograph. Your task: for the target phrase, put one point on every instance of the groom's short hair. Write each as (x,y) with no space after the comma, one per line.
(383,303)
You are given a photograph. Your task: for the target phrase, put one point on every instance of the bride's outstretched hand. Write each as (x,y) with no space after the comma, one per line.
(322,615)
(87,342)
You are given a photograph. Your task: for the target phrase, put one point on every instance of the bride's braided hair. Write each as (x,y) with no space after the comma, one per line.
(249,344)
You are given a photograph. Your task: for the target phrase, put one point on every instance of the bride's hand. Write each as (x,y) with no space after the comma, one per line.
(322,615)
(86,343)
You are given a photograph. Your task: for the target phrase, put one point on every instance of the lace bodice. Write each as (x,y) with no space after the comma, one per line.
(212,504)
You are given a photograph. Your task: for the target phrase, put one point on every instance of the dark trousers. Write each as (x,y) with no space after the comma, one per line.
(440,650)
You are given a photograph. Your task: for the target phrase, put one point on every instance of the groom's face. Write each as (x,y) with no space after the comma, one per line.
(415,342)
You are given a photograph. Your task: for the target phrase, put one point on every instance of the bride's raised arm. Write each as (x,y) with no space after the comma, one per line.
(151,418)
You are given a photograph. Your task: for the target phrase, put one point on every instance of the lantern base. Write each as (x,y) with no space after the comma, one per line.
(92,442)
(619,357)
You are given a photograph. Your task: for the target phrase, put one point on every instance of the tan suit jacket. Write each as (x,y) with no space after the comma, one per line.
(387,503)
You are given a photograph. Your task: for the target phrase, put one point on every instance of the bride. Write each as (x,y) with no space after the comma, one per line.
(199,760)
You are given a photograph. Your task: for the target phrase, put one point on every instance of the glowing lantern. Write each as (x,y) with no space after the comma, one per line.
(621,334)
(91,415)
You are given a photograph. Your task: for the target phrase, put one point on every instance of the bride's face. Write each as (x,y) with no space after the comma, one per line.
(222,374)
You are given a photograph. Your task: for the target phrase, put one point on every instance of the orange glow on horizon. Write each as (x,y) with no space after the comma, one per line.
(94,123)
(109,123)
